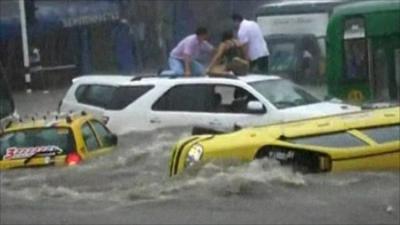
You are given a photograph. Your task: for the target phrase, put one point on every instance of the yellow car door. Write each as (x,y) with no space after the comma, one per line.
(98,140)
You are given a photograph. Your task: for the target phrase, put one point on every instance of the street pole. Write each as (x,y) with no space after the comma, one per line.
(25,47)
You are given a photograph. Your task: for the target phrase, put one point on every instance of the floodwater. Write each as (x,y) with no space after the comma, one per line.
(132,186)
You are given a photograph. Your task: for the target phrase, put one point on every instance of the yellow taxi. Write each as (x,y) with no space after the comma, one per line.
(366,140)
(60,140)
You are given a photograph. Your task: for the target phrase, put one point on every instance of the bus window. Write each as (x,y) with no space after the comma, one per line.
(355,47)
(282,57)
(356,59)
(381,75)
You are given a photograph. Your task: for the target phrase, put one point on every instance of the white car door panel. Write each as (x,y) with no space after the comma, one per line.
(160,119)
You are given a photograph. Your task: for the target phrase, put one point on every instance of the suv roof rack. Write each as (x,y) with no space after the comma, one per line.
(136,78)
(225,76)
(175,76)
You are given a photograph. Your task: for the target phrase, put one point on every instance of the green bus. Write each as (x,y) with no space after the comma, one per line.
(363,52)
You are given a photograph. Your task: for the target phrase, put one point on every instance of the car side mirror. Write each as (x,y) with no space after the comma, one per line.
(256,107)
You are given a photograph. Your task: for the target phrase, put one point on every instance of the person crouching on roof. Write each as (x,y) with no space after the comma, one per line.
(182,60)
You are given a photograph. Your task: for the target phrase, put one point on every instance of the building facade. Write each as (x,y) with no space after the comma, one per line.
(76,37)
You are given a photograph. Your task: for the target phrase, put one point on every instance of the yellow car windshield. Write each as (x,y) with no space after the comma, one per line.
(23,144)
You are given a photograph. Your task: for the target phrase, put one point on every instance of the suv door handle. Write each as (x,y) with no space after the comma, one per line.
(155,120)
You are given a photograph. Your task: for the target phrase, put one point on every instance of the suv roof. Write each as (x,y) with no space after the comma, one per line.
(127,80)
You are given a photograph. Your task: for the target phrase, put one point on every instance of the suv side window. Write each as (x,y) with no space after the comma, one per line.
(110,97)
(90,138)
(230,99)
(186,98)
(95,95)
(103,133)
(124,96)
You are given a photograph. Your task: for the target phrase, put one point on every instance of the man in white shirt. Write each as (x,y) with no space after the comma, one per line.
(182,60)
(252,40)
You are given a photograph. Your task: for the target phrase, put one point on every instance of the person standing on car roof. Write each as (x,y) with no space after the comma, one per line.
(252,40)
(182,59)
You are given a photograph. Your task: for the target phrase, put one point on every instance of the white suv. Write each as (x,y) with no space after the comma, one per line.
(148,103)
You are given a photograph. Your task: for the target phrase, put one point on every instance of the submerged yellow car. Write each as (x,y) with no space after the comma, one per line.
(58,141)
(366,140)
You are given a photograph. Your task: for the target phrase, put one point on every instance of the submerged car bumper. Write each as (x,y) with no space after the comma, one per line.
(35,162)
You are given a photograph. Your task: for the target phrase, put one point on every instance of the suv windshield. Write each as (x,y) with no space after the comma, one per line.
(283,94)
(25,143)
